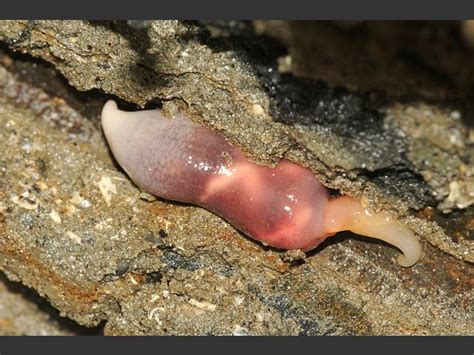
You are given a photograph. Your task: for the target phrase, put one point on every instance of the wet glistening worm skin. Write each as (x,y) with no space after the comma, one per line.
(283,206)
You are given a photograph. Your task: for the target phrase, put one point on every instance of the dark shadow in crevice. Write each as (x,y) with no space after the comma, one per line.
(42,75)
(343,236)
(31,296)
(294,101)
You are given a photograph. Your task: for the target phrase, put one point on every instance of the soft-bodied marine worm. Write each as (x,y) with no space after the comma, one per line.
(285,206)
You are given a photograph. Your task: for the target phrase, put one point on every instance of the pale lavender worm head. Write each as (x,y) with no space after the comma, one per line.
(285,206)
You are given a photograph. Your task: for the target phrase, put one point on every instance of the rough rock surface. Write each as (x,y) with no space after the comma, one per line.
(20,315)
(79,232)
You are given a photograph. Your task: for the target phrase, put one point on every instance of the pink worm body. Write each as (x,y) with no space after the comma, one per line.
(285,206)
